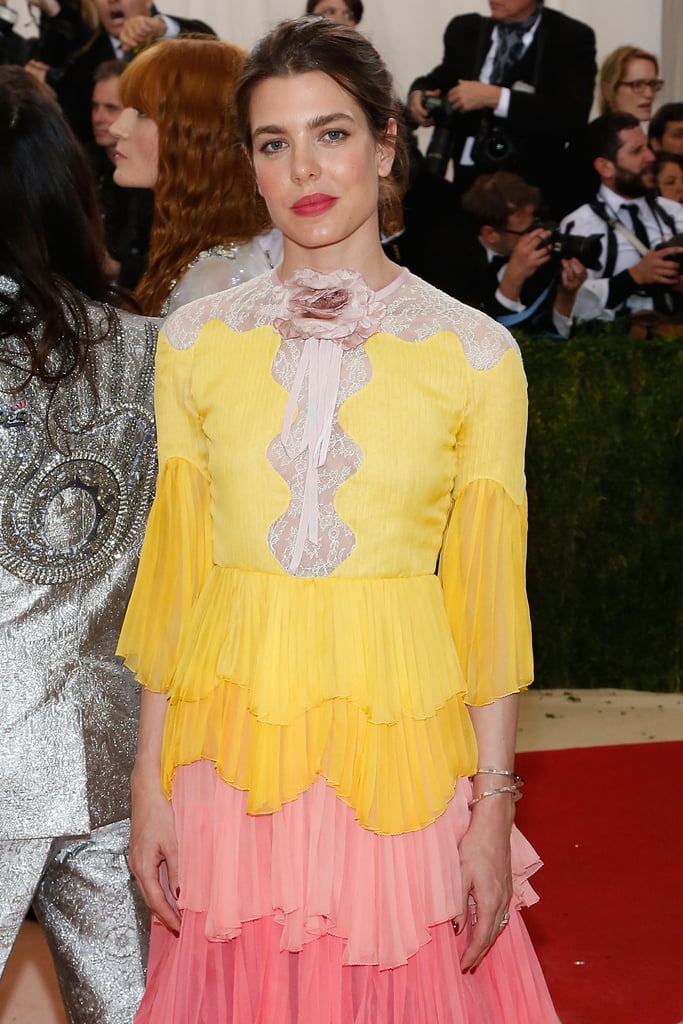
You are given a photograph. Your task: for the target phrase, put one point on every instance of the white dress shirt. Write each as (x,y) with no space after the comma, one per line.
(592,297)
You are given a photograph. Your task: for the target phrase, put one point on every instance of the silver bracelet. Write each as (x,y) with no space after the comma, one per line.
(516,794)
(519,781)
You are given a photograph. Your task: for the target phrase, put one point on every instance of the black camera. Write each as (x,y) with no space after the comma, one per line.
(437,107)
(440,148)
(676,256)
(492,148)
(587,249)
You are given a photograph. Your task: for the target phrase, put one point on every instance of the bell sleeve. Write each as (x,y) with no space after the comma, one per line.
(483,558)
(176,554)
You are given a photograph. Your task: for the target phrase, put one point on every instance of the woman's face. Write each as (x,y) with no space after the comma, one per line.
(637,97)
(137,150)
(670,181)
(335,10)
(317,166)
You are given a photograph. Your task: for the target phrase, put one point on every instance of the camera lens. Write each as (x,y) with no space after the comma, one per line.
(497,147)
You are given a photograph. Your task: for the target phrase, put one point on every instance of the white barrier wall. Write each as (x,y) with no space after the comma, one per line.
(409,32)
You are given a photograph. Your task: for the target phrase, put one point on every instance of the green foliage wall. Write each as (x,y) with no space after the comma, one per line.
(605,478)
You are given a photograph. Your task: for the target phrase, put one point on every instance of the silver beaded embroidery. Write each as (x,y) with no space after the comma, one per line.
(69,500)
(74,498)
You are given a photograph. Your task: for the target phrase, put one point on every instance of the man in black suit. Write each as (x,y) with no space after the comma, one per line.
(519,86)
(503,262)
(126,27)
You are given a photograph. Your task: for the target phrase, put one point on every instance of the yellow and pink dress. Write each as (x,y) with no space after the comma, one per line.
(322,449)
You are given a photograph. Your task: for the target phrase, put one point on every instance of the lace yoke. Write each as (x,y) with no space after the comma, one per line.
(315,459)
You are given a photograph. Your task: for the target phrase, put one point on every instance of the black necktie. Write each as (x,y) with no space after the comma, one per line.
(638,226)
(510,46)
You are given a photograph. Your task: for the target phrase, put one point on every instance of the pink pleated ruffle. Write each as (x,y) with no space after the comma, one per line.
(314,869)
(250,980)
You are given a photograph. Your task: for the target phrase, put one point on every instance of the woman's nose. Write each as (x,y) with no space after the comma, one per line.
(305,164)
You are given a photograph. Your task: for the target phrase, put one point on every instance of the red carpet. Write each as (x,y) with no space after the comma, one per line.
(608,823)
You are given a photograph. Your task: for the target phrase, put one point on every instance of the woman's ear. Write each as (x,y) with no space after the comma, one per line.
(386,149)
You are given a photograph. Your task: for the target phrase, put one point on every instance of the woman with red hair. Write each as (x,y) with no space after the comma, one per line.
(177,136)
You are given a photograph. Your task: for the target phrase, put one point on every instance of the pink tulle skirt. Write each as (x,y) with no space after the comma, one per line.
(304,917)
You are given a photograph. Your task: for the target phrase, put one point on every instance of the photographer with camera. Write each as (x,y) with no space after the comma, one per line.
(642,250)
(512,93)
(512,265)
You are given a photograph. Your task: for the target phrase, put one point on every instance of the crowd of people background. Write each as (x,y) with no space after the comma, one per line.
(513,95)
(164,191)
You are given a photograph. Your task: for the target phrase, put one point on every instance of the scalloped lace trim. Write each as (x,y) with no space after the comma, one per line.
(415,311)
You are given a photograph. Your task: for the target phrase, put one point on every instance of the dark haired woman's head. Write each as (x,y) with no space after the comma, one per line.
(49,218)
(51,234)
(311,44)
(346,12)
(669,175)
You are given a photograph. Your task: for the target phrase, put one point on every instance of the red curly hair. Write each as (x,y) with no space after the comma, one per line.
(205,193)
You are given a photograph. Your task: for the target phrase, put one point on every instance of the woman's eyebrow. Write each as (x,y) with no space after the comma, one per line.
(316,122)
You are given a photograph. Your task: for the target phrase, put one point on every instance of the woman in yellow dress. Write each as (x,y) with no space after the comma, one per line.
(332,720)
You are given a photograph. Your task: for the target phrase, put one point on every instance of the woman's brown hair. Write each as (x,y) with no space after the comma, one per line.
(205,193)
(349,59)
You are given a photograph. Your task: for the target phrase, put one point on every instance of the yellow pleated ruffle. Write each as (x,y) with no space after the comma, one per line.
(483,572)
(282,680)
(176,558)
(397,778)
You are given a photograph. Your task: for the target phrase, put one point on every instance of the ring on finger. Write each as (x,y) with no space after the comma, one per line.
(504,919)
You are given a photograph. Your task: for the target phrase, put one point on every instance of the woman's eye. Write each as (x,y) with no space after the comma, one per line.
(273,146)
(335,134)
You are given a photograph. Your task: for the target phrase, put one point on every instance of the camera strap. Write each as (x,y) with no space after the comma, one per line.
(616,225)
(658,212)
(512,319)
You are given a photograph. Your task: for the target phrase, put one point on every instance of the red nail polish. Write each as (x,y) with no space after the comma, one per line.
(177,892)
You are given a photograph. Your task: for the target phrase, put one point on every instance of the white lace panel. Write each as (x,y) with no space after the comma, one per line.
(336,540)
(415,311)
(241,308)
(419,311)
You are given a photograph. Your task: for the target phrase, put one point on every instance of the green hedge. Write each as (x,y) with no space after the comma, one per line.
(605,477)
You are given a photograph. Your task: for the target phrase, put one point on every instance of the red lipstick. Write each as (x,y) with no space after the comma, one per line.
(314,204)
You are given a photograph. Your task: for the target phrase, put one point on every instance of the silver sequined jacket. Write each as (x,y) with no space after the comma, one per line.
(73,505)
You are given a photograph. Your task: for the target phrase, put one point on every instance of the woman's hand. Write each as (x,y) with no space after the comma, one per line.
(486,875)
(485,847)
(153,851)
